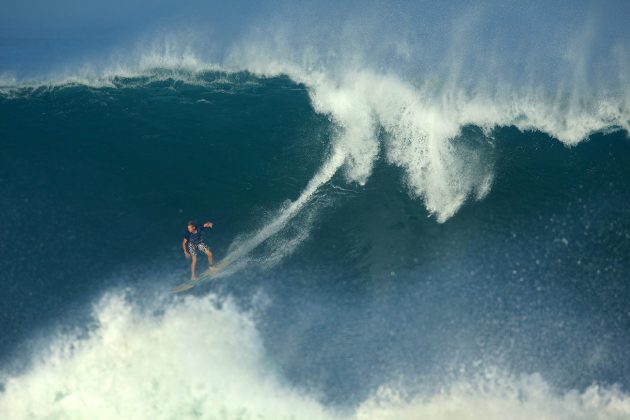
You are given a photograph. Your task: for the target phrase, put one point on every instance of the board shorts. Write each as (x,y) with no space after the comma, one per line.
(192,248)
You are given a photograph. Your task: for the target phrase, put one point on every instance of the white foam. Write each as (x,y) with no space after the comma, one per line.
(201,358)
(498,396)
(195,359)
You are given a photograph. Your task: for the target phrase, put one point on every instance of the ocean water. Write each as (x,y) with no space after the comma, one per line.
(417,227)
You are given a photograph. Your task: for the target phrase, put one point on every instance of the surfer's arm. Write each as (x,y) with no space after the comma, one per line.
(184,247)
(208,224)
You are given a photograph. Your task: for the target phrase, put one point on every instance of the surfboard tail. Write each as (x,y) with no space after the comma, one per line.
(183,287)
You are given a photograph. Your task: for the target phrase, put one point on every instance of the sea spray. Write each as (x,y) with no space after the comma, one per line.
(204,357)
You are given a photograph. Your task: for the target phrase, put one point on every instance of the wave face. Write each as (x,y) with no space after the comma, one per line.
(424,209)
(345,299)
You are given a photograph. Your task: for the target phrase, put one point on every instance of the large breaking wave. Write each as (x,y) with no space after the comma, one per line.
(423,89)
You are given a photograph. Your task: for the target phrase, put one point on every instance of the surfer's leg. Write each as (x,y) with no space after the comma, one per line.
(192,267)
(210,259)
(208,253)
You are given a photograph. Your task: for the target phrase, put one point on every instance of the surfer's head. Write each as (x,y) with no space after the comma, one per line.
(192,226)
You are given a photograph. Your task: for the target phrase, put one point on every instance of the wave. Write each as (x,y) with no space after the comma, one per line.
(441,138)
(407,91)
(204,357)
(416,127)
(413,109)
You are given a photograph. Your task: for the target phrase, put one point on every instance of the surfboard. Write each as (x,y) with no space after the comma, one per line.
(184,286)
(208,274)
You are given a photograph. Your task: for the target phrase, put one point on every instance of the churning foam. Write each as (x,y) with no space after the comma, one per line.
(497,398)
(383,112)
(196,359)
(204,358)
(418,126)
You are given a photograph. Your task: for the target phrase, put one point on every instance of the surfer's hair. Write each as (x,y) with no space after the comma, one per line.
(192,223)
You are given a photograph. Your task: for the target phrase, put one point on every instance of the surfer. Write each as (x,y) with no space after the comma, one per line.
(193,242)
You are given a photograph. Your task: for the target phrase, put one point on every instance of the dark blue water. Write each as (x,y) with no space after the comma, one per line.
(97,184)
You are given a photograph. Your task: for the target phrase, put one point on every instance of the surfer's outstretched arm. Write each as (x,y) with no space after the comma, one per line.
(208,224)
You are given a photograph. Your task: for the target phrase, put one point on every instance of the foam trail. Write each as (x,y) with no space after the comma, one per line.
(241,249)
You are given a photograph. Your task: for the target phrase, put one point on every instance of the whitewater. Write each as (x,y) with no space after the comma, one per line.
(131,365)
